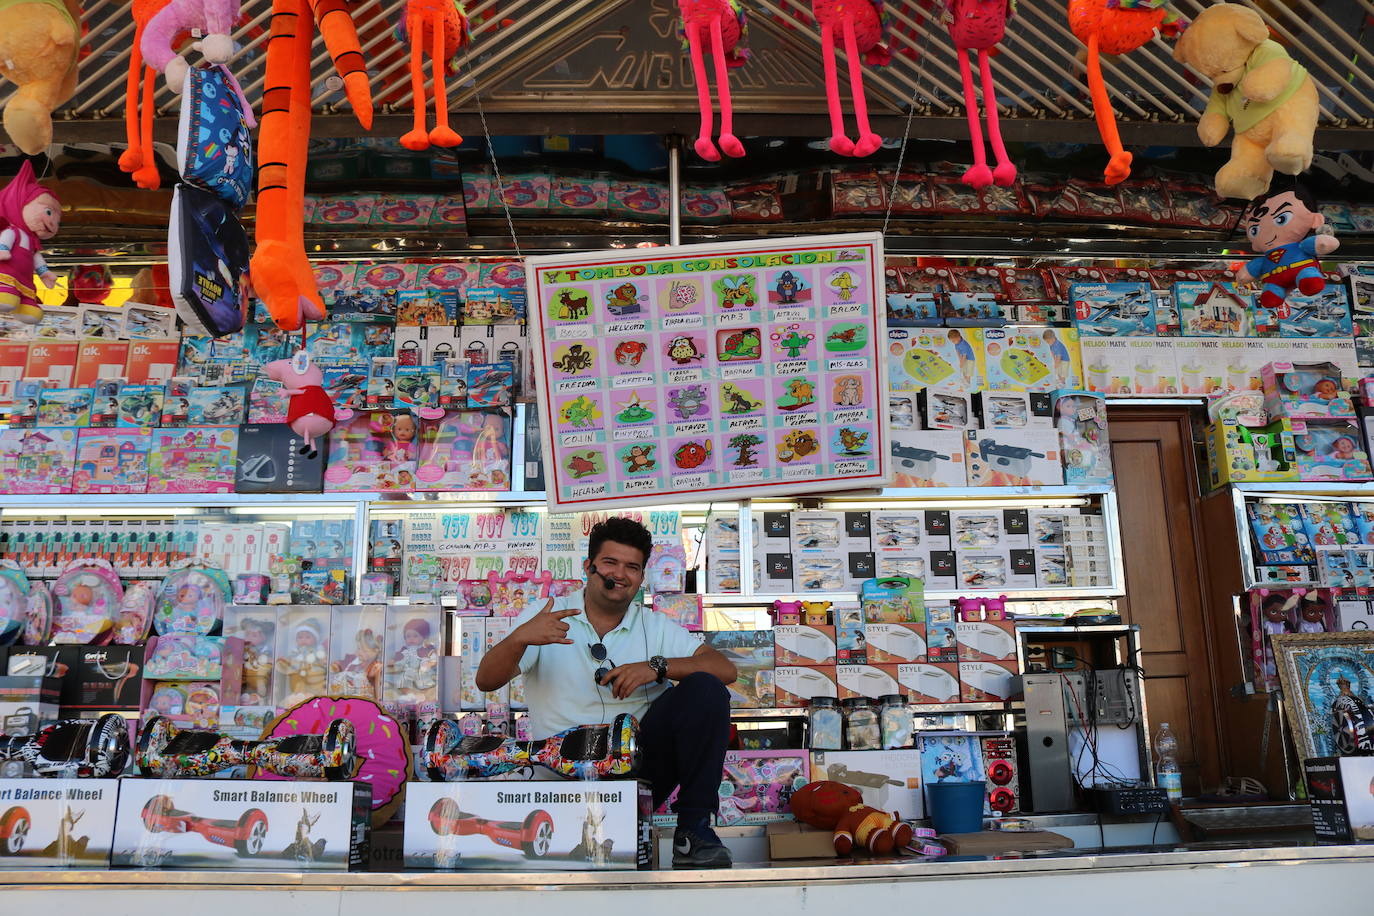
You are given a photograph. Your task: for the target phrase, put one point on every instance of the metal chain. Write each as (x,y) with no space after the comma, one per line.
(906,134)
(491,153)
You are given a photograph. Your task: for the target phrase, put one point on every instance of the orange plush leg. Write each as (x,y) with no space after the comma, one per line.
(146,176)
(442,134)
(417,138)
(131,160)
(1119,165)
(341,38)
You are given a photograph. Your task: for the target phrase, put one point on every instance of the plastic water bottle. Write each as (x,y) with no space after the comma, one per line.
(1167,775)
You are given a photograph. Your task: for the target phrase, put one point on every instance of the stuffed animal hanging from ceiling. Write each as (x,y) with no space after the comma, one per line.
(280,272)
(214,20)
(441,26)
(1281,226)
(721,22)
(29,214)
(310,413)
(138,158)
(858,26)
(978,25)
(40,42)
(1116,27)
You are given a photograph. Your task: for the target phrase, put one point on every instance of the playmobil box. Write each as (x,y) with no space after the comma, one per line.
(888,780)
(1342,802)
(794,685)
(249,824)
(1113,309)
(57,823)
(528,826)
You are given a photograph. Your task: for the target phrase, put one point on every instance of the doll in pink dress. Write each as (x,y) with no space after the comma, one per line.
(30,214)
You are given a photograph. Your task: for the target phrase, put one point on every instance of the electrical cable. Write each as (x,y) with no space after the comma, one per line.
(1159,816)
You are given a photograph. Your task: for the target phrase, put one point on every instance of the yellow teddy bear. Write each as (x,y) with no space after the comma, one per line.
(39,40)
(1256,88)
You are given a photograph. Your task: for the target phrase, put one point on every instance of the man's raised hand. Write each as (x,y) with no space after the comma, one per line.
(547,627)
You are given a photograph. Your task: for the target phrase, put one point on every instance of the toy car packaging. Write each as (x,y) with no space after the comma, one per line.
(528,826)
(56,823)
(243,824)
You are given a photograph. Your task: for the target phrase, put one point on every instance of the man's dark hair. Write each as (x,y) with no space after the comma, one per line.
(625,531)
(1300,192)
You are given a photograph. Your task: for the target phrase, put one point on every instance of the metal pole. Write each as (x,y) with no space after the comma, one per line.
(674,142)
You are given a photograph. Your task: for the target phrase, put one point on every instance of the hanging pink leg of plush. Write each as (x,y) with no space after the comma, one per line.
(729,143)
(839,143)
(704,147)
(868,141)
(978,175)
(1005,173)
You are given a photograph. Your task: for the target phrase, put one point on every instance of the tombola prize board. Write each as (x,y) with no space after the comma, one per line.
(714,371)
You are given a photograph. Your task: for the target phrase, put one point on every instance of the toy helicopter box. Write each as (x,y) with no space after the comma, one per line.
(57,823)
(528,826)
(250,824)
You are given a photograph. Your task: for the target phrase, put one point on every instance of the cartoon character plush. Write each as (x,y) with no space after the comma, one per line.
(38,53)
(1281,227)
(859,26)
(441,26)
(978,25)
(723,23)
(138,158)
(310,413)
(213,20)
(29,214)
(835,806)
(1256,88)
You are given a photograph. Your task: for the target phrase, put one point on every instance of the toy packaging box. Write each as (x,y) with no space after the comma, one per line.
(37,460)
(1342,805)
(57,823)
(528,826)
(465,450)
(1237,453)
(1211,309)
(194,459)
(1329,524)
(1330,450)
(888,780)
(375,450)
(893,600)
(253,824)
(756,786)
(1113,309)
(752,653)
(111,461)
(1325,314)
(945,408)
(955,758)
(1012,457)
(921,357)
(1301,391)
(1031,358)
(1084,448)
(796,685)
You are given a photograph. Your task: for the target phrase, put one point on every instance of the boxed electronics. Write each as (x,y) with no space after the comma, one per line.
(249,824)
(986,640)
(989,681)
(57,823)
(895,643)
(102,678)
(28,703)
(1027,456)
(945,408)
(795,685)
(1342,801)
(803,645)
(871,681)
(888,780)
(1242,454)
(930,683)
(931,458)
(528,826)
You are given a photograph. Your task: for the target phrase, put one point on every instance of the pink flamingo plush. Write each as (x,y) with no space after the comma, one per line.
(722,21)
(978,25)
(859,25)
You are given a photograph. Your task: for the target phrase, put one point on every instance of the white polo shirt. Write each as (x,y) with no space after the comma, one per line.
(559,683)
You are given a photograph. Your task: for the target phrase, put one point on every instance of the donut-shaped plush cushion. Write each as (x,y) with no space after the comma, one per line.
(383,753)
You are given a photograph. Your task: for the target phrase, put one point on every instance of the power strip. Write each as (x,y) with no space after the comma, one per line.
(1129,799)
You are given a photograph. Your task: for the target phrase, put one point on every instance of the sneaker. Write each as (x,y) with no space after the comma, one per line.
(699,847)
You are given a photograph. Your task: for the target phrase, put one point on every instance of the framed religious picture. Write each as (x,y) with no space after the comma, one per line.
(1328,691)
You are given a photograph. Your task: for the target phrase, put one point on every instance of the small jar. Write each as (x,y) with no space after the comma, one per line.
(896,720)
(862,730)
(825,724)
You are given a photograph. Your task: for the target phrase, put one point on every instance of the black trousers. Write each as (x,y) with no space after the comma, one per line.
(684,736)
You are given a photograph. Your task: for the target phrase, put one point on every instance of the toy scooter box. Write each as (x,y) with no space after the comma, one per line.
(803,645)
(1342,806)
(528,826)
(795,685)
(1244,454)
(986,640)
(57,823)
(249,824)
(888,780)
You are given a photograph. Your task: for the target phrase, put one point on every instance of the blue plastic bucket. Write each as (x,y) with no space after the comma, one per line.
(956,807)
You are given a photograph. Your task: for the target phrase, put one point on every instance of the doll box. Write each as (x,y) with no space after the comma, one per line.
(888,780)
(250,824)
(1330,450)
(528,826)
(1085,451)
(70,821)
(1302,391)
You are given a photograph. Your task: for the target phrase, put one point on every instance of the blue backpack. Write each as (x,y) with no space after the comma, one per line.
(214,146)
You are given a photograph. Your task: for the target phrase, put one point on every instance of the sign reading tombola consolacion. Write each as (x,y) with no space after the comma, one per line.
(710,372)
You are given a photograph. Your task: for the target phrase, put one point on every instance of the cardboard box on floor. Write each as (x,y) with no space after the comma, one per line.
(996,842)
(794,840)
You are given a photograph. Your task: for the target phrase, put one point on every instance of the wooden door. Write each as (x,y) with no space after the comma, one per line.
(1157,491)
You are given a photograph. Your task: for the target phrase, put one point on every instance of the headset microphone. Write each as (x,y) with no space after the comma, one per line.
(607,581)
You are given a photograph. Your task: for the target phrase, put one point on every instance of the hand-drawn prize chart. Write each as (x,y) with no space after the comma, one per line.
(726,371)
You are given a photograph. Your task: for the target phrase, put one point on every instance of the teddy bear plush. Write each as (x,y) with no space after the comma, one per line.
(39,40)
(835,806)
(1256,88)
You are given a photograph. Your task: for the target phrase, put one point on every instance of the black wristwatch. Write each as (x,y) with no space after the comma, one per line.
(660,666)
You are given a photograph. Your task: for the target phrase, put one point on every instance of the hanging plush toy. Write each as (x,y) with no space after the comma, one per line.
(310,413)
(835,806)
(722,23)
(281,273)
(39,42)
(212,20)
(978,25)
(1259,90)
(858,26)
(1116,27)
(441,26)
(30,214)
(1281,227)
(138,158)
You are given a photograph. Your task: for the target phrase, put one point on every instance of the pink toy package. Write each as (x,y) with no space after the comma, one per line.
(449,213)
(756,786)
(512,593)
(450,276)
(196,459)
(111,461)
(344,210)
(37,460)
(402,210)
(465,450)
(375,450)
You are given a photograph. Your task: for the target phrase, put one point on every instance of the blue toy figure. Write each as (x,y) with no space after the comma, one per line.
(1281,227)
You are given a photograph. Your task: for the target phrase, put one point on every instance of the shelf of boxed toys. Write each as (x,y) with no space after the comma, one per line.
(1294,491)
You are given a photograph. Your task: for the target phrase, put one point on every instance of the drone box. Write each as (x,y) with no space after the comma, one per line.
(888,780)
(1342,805)
(58,823)
(803,645)
(528,826)
(248,824)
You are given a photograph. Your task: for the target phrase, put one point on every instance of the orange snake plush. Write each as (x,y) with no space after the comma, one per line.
(140,160)
(280,271)
(442,27)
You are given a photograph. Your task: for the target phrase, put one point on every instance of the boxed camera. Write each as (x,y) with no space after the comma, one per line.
(1342,805)
(528,826)
(57,823)
(887,780)
(250,824)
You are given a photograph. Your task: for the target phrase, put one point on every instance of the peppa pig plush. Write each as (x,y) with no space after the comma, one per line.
(310,413)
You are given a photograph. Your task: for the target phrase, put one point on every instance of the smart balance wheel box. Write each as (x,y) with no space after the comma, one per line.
(57,823)
(528,826)
(1342,797)
(252,824)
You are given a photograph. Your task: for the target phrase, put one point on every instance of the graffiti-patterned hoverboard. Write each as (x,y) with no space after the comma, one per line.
(165,750)
(75,747)
(584,752)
